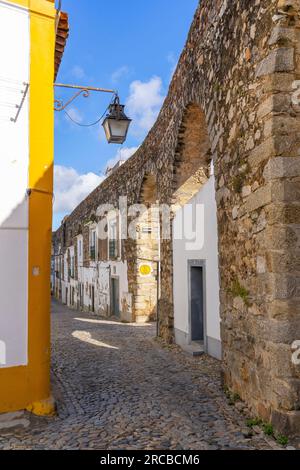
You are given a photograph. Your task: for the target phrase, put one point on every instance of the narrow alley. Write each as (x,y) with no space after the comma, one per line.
(117,387)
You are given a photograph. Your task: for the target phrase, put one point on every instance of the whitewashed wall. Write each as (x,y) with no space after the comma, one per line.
(98,275)
(209,254)
(14,161)
(104,289)
(119,269)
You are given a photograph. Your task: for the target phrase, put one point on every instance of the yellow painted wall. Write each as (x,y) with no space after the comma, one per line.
(29,387)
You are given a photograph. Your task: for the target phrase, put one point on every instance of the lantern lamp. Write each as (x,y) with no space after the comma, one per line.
(116,123)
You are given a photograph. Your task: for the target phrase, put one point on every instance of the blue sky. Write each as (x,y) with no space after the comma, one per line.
(132,46)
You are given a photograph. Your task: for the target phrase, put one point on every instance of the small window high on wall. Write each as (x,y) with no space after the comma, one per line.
(113,239)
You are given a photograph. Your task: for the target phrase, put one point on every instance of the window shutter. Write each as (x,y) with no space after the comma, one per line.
(86,247)
(103,250)
(76,260)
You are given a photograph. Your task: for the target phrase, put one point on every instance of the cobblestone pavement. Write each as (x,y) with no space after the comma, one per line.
(117,387)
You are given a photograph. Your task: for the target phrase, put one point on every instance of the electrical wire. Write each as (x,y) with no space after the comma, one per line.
(93,123)
(85,125)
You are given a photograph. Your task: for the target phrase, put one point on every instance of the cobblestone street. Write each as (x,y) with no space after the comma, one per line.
(117,387)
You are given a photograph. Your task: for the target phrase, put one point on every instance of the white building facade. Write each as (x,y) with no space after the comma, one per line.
(14,166)
(95,282)
(33,35)
(196,273)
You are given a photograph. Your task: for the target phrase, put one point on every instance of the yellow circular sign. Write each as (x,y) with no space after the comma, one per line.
(145,269)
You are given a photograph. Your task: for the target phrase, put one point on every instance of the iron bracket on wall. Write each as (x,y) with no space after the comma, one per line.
(59,105)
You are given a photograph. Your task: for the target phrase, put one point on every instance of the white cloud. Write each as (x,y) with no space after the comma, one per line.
(144,103)
(120,73)
(70,188)
(78,72)
(122,154)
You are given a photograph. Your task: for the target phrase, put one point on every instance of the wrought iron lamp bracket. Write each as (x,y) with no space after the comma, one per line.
(60,105)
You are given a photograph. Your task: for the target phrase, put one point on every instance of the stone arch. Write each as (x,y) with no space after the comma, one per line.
(191,169)
(192,156)
(148,191)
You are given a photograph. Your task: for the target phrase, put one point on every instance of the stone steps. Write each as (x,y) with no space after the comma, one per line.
(194,349)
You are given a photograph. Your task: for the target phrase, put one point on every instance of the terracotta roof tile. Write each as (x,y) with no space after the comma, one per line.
(62,34)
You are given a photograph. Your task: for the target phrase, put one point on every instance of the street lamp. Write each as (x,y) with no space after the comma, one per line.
(116,123)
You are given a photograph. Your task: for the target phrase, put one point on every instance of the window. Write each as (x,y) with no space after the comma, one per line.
(113,239)
(79,248)
(65,274)
(93,245)
(72,267)
(113,249)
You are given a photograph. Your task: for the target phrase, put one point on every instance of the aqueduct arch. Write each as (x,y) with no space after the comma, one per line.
(192,156)
(148,191)
(239,64)
(191,167)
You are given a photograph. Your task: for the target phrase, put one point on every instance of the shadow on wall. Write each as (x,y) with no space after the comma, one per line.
(25,253)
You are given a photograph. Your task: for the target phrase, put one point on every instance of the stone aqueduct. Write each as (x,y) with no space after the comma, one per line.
(230,100)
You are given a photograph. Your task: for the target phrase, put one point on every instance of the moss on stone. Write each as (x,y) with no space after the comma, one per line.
(237,290)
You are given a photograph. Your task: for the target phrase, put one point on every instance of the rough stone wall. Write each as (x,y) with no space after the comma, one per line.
(238,67)
(145,289)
